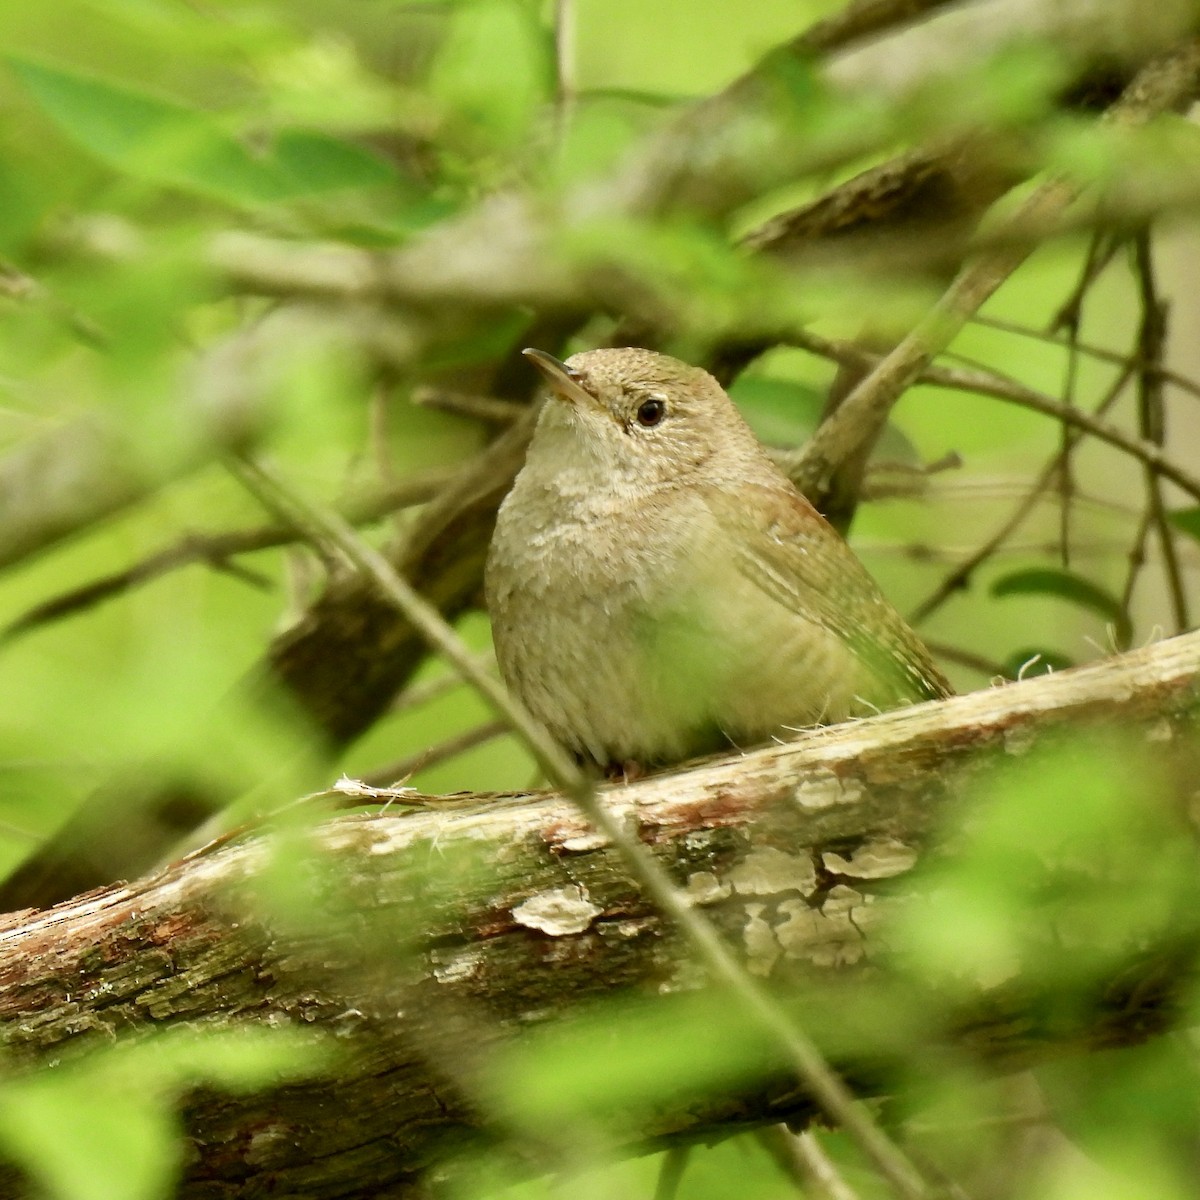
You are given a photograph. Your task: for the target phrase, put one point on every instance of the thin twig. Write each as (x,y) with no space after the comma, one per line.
(1070,319)
(1066,322)
(1161,85)
(801,1157)
(968,658)
(795,1046)
(1066,475)
(1152,337)
(1001,387)
(670,1172)
(467,404)
(949,555)
(1136,558)
(992,384)
(859,418)
(399,772)
(433,689)
(957,579)
(962,491)
(216,550)
(1157,370)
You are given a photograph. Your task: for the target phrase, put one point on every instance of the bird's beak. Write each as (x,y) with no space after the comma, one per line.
(564,382)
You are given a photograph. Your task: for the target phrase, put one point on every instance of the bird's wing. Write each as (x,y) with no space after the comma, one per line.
(792,553)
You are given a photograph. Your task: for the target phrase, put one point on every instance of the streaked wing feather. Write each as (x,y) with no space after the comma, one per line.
(795,556)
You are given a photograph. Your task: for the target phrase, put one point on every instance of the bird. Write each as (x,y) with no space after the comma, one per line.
(659,589)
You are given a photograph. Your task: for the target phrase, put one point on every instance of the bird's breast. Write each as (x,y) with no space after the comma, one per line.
(581,599)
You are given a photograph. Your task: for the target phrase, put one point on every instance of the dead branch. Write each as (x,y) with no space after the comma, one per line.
(219,551)
(799,854)
(992,383)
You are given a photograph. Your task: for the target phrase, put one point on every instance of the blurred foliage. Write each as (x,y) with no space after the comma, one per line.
(102,1126)
(138,132)
(1050,908)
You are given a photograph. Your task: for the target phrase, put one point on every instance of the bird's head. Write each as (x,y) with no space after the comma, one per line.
(637,417)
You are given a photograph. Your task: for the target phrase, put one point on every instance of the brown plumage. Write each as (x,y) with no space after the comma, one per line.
(658,588)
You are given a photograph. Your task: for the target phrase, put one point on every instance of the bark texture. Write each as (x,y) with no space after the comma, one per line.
(420,940)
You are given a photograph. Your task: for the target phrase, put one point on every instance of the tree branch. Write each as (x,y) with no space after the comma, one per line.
(991,383)
(794,851)
(218,550)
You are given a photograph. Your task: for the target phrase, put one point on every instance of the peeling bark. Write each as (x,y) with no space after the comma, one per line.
(425,938)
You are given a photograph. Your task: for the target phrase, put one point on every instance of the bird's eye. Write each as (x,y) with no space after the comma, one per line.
(650,412)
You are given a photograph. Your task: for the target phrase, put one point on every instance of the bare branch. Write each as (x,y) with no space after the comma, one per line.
(863,19)
(991,383)
(194,944)
(467,404)
(405,768)
(1103,353)
(217,549)
(961,575)
(1152,337)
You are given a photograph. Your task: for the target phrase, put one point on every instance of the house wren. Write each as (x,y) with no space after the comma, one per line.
(658,588)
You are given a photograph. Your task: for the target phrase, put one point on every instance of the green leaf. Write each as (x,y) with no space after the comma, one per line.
(1187,520)
(147,136)
(1075,589)
(163,141)
(781,412)
(316,162)
(493,71)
